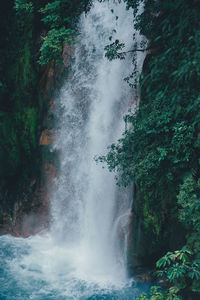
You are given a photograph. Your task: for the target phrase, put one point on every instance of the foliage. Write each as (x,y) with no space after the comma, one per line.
(179,267)
(156,293)
(159,149)
(51,49)
(18,92)
(160,143)
(63,13)
(189,201)
(112,50)
(22,21)
(60,18)
(27,25)
(23,7)
(19,135)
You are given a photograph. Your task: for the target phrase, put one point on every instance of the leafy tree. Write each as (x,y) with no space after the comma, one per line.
(159,149)
(189,203)
(52,47)
(60,18)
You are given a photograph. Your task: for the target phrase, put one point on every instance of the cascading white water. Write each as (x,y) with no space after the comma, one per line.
(84,254)
(87,203)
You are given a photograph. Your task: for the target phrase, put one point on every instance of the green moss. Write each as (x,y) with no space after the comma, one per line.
(19,105)
(19,134)
(151,221)
(27,67)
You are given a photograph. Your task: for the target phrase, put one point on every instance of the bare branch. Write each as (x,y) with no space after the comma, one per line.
(135,50)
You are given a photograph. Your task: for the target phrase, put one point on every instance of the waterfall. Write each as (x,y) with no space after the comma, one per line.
(87,204)
(83,256)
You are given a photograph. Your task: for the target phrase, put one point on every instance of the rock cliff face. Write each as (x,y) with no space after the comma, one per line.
(24,205)
(30,213)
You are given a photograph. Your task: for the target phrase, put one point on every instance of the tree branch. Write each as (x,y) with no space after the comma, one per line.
(136,50)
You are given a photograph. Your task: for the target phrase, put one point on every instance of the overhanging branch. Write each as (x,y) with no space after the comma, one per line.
(135,50)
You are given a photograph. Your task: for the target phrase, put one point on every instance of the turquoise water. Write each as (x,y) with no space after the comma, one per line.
(28,273)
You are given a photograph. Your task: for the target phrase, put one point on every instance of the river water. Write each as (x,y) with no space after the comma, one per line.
(83,255)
